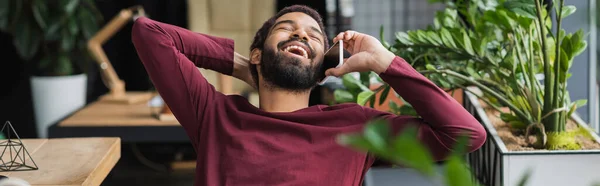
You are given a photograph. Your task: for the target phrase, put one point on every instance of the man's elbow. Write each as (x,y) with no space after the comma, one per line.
(477,137)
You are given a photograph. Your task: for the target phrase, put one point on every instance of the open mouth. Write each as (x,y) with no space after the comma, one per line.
(297,49)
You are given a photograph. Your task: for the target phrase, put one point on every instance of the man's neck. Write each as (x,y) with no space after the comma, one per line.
(277,100)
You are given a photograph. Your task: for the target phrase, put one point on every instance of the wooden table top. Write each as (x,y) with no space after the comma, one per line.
(69,161)
(99,114)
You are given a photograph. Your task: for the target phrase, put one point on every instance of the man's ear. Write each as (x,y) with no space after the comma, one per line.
(255,56)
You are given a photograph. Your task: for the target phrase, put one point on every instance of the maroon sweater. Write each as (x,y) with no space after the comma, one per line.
(239,144)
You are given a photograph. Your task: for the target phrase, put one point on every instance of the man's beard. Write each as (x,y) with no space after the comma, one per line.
(288,73)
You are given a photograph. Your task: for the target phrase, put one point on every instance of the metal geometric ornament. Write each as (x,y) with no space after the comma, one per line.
(15,156)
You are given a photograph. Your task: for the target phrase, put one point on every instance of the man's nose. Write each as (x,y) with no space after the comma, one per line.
(300,35)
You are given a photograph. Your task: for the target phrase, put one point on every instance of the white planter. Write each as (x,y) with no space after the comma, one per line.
(55,97)
(494,165)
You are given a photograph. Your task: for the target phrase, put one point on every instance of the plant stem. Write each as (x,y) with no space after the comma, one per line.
(549,122)
(484,88)
(559,124)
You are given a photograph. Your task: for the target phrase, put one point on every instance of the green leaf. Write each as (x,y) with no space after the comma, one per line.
(472,73)
(73,27)
(384,94)
(460,148)
(88,22)
(408,110)
(372,102)
(458,37)
(69,6)
(355,141)
(343,96)
(394,107)
(565,62)
(506,117)
(578,43)
(377,134)
(467,42)
(567,10)
(64,66)
(580,102)
(350,82)
(4,14)
(575,105)
(26,38)
(525,12)
(364,96)
(447,38)
(430,67)
(40,13)
(365,79)
(457,173)
(403,38)
(67,41)
(409,151)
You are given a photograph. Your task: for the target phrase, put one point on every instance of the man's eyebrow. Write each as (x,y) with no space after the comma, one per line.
(282,22)
(292,22)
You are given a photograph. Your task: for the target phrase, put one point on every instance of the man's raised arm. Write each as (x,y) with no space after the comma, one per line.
(170,55)
(443,120)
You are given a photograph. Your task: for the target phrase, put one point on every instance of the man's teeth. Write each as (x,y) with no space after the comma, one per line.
(304,53)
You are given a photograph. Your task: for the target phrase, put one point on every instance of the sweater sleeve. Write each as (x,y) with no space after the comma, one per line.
(443,120)
(170,55)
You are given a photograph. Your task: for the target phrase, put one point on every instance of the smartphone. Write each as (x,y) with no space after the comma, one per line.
(333,58)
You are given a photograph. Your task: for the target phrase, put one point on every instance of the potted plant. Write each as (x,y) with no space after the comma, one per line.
(518,67)
(52,36)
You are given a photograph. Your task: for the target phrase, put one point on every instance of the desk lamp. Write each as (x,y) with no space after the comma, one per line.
(110,78)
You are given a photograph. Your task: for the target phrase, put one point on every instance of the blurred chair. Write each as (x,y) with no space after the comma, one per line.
(238,20)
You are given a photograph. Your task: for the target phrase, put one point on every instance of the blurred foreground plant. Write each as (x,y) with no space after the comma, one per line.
(405,149)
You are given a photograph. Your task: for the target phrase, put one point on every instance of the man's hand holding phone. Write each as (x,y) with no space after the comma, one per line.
(367,54)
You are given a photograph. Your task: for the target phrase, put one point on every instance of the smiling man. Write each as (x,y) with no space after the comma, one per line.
(284,141)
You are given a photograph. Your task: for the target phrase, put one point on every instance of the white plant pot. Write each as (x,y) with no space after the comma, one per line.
(55,97)
(494,165)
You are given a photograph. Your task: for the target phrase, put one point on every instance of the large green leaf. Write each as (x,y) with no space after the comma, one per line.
(343,96)
(457,173)
(88,22)
(364,96)
(27,38)
(354,141)
(408,150)
(377,133)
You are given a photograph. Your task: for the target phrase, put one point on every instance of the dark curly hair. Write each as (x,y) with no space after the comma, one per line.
(263,32)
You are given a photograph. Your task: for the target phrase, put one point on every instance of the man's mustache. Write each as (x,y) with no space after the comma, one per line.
(312,52)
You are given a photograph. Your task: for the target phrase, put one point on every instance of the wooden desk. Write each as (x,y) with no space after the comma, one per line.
(132,123)
(70,161)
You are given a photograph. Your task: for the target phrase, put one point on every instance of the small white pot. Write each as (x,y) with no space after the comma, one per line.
(55,97)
